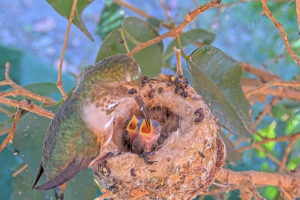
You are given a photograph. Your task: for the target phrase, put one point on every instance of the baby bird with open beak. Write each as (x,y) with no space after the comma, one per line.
(140,137)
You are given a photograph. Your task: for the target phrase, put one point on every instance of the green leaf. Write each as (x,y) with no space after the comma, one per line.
(216,78)
(110,19)
(154,22)
(268,132)
(232,154)
(7,160)
(187,38)
(64,7)
(28,140)
(122,40)
(113,44)
(43,89)
(270,192)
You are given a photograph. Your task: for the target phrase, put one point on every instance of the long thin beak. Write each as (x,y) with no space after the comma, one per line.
(144,109)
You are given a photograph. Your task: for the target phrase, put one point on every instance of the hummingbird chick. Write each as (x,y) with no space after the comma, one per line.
(143,138)
(131,130)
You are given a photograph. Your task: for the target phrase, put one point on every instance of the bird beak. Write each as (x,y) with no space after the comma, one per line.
(143,108)
(145,129)
(132,125)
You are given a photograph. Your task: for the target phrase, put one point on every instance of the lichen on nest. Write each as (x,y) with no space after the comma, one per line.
(188,153)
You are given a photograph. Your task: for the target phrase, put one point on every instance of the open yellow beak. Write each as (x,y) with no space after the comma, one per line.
(146,130)
(132,125)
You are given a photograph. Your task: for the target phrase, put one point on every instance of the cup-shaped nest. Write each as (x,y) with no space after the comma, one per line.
(188,152)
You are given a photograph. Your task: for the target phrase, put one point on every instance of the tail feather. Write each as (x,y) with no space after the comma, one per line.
(38,175)
(69,172)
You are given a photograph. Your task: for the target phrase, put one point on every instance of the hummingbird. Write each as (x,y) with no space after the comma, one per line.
(84,123)
(141,137)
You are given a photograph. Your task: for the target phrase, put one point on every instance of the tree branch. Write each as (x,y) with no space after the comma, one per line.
(288,183)
(59,83)
(18,90)
(282,32)
(272,84)
(10,136)
(28,106)
(177,30)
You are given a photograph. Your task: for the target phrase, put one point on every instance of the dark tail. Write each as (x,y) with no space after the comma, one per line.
(38,176)
(69,172)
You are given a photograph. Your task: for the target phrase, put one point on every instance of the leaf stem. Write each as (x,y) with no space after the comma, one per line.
(181,49)
(124,40)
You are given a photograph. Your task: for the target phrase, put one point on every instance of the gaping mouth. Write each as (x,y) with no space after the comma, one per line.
(165,121)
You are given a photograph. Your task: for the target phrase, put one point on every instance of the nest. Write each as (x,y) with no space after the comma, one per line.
(188,154)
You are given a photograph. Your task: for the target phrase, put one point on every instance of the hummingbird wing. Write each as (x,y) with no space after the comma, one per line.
(68,147)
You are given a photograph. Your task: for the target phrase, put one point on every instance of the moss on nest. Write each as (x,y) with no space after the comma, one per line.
(189,151)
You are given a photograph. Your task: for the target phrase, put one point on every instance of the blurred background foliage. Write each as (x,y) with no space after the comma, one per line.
(31,38)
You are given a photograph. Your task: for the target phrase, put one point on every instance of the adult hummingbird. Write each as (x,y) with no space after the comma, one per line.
(141,137)
(84,123)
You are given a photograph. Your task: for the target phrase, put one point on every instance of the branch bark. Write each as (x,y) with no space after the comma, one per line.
(177,30)
(288,183)
(282,32)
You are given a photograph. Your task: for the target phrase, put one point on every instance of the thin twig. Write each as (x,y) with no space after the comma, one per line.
(10,136)
(59,83)
(28,106)
(272,84)
(282,32)
(264,75)
(295,136)
(269,155)
(286,155)
(18,90)
(139,12)
(266,111)
(177,30)
(178,58)
(133,8)
(7,80)
(163,5)
(31,95)
(298,12)
(19,171)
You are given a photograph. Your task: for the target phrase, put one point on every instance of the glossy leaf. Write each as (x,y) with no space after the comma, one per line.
(113,44)
(110,19)
(28,141)
(186,38)
(149,59)
(154,22)
(216,78)
(64,8)
(122,40)
(44,89)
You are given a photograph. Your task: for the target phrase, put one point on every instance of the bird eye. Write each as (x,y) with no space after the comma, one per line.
(132,91)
